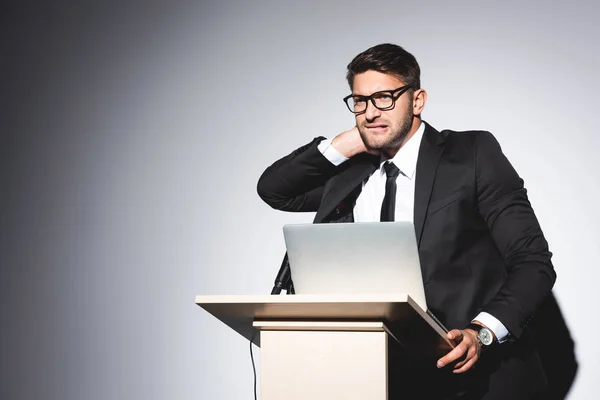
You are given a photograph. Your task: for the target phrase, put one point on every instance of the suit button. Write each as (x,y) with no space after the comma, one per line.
(337,211)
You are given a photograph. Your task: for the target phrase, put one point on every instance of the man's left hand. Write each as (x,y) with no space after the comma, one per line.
(468,350)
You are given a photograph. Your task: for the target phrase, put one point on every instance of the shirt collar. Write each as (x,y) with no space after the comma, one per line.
(406,158)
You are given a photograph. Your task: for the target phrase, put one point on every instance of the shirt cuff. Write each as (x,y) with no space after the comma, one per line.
(331,153)
(494,324)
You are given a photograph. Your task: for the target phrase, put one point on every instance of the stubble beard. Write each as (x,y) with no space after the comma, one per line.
(393,141)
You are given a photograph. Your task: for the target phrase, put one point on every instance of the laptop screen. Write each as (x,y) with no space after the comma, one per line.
(355,258)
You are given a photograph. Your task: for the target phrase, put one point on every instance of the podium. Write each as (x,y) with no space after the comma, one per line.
(328,347)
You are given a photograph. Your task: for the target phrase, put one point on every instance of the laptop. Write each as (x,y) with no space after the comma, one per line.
(356,258)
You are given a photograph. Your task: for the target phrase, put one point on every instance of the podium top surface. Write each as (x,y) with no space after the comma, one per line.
(239,311)
(305,306)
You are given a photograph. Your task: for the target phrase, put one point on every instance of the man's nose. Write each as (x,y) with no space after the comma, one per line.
(372,112)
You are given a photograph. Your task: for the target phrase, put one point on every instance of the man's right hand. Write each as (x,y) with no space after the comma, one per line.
(349,144)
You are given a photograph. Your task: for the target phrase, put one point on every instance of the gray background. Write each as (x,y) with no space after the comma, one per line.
(132,137)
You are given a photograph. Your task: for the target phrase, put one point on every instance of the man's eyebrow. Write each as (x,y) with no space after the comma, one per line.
(369,95)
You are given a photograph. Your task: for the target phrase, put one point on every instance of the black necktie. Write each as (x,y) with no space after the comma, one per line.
(388,207)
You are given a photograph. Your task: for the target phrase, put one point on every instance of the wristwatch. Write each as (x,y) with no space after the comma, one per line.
(484,335)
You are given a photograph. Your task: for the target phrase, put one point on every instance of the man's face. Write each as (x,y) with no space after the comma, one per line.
(378,129)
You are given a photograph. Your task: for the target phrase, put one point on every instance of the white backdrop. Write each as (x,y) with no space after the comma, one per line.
(133,137)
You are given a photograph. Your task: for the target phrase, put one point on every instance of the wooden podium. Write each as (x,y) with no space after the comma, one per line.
(328,347)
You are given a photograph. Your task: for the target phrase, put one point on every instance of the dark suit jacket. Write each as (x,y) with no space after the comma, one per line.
(480,244)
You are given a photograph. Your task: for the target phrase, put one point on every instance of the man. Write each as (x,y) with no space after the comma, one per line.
(484,259)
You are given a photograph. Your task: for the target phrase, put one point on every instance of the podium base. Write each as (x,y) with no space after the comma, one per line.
(323,360)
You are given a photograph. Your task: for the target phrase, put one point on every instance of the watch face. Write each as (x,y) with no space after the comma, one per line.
(486,337)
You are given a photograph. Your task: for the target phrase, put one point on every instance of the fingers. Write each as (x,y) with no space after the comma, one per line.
(456,335)
(471,354)
(456,353)
(466,367)
(467,348)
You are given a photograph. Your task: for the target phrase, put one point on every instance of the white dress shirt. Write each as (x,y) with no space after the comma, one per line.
(368,203)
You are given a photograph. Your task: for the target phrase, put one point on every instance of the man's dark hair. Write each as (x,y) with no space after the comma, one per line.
(388,59)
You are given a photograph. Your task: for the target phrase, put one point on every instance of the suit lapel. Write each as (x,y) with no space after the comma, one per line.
(340,187)
(430,152)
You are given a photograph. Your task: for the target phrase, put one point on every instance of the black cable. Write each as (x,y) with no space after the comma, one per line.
(253,366)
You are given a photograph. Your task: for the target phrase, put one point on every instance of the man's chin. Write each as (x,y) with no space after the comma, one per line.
(371,142)
(388,148)
(376,144)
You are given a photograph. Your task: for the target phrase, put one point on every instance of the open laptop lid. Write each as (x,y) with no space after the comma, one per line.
(355,258)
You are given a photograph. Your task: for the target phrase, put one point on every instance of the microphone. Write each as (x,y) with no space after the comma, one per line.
(284,278)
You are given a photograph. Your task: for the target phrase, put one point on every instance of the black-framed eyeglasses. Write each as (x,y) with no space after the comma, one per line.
(383,100)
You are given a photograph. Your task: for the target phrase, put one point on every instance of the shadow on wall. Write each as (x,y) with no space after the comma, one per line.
(556,349)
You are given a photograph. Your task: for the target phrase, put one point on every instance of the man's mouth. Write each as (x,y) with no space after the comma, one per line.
(376,127)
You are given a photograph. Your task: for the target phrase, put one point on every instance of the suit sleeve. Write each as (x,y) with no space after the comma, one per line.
(296,181)
(504,205)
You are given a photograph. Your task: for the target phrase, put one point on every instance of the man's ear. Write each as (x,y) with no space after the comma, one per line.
(419,100)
